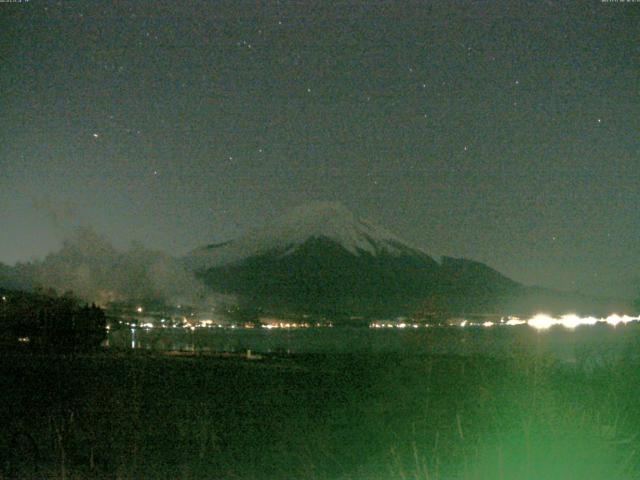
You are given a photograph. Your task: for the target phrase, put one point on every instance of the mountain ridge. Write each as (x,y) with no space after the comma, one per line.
(321,257)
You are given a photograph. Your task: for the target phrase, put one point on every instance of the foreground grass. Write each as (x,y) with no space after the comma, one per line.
(136,415)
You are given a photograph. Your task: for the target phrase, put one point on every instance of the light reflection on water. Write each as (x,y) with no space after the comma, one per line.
(600,339)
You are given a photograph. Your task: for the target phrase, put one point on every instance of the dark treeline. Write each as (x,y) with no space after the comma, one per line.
(45,321)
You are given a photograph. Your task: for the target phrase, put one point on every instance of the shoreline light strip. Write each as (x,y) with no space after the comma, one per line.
(539,321)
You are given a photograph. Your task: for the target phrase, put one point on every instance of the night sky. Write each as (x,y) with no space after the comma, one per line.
(506,132)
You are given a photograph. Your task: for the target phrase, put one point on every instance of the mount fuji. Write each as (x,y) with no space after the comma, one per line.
(328,221)
(321,258)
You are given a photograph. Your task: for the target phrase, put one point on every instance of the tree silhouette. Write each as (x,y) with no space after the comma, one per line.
(43,320)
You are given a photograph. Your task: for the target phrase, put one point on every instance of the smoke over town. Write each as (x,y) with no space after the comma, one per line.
(91,267)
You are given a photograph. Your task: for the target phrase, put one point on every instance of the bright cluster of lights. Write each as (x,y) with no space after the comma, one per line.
(540,321)
(393,325)
(544,322)
(270,326)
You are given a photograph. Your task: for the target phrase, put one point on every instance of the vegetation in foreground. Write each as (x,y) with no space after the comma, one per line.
(139,415)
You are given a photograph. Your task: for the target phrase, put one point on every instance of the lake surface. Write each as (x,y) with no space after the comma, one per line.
(597,341)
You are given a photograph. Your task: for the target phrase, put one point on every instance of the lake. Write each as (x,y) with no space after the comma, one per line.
(596,341)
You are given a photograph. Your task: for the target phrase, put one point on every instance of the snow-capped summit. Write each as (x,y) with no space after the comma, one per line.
(330,221)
